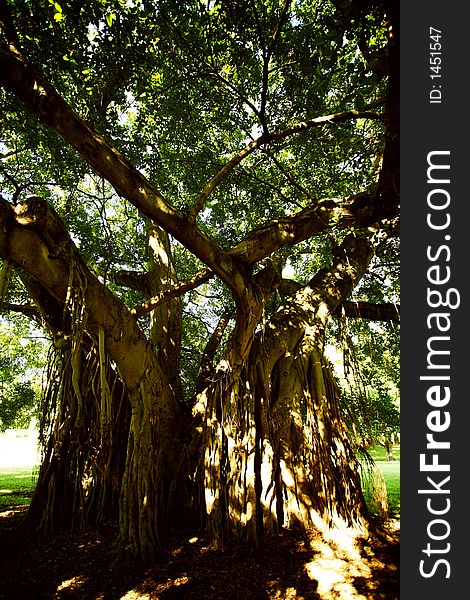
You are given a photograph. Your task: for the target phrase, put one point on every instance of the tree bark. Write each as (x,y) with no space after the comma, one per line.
(371,311)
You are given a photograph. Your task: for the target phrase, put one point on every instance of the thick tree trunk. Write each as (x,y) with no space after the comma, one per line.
(274,448)
(319,482)
(165,320)
(145,491)
(225,471)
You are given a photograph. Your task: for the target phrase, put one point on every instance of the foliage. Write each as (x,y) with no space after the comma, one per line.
(180,89)
(17,405)
(376,415)
(22,353)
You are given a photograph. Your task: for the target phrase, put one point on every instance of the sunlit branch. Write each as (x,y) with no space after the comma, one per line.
(361,211)
(264,139)
(168,294)
(340,117)
(42,99)
(134,280)
(11,153)
(359,309)
(223,174)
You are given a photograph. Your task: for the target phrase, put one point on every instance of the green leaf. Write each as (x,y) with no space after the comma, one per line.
(110,18)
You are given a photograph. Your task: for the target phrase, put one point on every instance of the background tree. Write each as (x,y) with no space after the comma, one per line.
(159,174)
(366,354)
(23,351)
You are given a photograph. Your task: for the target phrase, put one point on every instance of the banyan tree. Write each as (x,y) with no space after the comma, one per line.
(191,193)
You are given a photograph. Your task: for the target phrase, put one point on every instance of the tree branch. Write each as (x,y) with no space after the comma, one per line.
(288,175)
(264,139)
(362,210)
(25,309)
(267,59)
(6,155)
(168,294)
(258,27)
(19,77)
(7,25)
(27,250)
(134,280)
(206,367)
(361,309)
(211,70)
(371,311)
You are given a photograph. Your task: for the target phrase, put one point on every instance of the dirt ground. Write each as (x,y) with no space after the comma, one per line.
(288,566)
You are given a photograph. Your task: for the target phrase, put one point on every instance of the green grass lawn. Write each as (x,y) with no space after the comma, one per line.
(16,485)
(378,453)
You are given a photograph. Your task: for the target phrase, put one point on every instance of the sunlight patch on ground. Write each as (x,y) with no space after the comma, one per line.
(7,514)
(72,584)
(336,567)
(393,524)
(136,595)
(335,578)
(289,594)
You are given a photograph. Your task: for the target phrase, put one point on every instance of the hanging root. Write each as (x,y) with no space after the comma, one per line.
(105,394)
(76,307)
(83,403)
(375,490)
(5,275)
